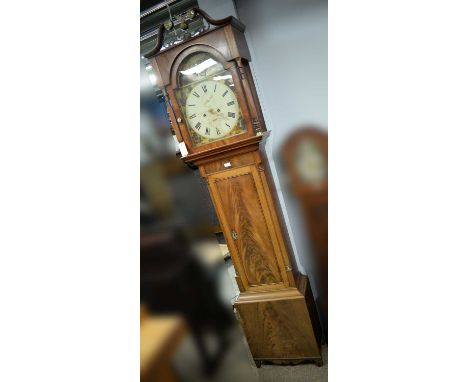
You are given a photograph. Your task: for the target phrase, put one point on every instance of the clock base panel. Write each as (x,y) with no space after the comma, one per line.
(279,325)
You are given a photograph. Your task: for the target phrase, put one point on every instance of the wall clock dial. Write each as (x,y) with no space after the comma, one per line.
(311,166)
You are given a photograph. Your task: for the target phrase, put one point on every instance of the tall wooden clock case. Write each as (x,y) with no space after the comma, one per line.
(216,115)
(305,155)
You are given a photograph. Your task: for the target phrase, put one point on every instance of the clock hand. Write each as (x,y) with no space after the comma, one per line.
(207,101)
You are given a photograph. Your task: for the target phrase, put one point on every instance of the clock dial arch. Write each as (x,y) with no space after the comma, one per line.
(177,64)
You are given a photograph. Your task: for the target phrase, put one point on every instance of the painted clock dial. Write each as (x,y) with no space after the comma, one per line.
(212,109)
(310,162)
(207,98)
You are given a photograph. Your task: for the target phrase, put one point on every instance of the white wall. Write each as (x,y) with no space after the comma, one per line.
(218,9)
(288,41)
(288,44)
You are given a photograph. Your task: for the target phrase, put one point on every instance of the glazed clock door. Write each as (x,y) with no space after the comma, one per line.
(206,95)
(245,216)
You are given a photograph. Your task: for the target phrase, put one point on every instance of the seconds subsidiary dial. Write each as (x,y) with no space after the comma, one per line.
(212,109)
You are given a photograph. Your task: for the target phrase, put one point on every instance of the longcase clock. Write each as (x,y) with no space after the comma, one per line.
(305,154)
(216,115)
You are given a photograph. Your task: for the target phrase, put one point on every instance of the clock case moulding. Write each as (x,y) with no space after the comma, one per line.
(275,305)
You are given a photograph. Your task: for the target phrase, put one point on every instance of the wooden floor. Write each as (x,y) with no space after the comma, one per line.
(160,338)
